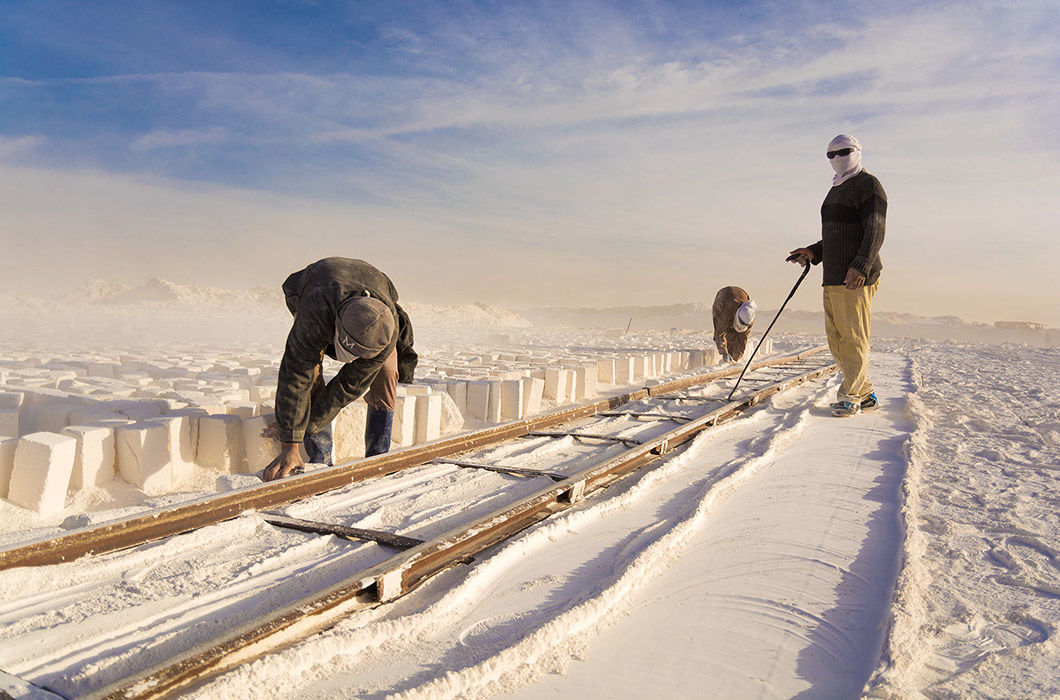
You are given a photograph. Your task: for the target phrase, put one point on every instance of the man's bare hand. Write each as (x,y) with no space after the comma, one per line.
(289,459)
(805,256)
(854,280)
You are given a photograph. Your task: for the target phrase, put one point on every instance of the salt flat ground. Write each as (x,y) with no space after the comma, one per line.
(911,552)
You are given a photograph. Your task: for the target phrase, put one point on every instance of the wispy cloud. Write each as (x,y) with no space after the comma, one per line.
(597,134)
(166,138)
(19,145)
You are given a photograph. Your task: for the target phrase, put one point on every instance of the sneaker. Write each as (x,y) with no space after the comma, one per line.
(869,403)
(845,409)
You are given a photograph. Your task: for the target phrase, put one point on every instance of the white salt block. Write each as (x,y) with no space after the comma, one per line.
(452,417)
(712,356)
(623,370)
(144,456)
(7,462)
(183,442)
(767,347)
(493,410)
(347,432)
(91,414)
(262,393)
(187,445)
(243,409)
(556,383)
(103,369)
(606,370)
(533,390)
(260,451)
(659,363)
(585,377)
(9,422)
(403,432)
(52,418)
(478,400)
(572,385)
(511,399)
(640,367)
(41,473)
(416,389)
(428,417)
(12,399)
(94,457)
(220,444)
(458,392)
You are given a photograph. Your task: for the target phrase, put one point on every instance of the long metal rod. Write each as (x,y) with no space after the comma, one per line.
(805,269)
(401,573)
(135,530)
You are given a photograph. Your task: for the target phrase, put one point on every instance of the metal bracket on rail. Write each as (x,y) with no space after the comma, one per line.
(387,538)
(632,442)
(514,471)
(650,416)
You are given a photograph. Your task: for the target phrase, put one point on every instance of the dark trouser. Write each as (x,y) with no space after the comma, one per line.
(381,399)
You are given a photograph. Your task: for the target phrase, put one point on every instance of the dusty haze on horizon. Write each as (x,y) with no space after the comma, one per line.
(531,154)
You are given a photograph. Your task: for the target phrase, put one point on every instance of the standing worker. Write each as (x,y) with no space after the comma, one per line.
(853,220)
(345,309)
(734,314)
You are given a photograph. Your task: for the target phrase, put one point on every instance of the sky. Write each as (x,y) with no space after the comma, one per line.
(542,153)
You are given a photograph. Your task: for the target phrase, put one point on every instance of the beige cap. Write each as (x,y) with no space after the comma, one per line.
(364,327)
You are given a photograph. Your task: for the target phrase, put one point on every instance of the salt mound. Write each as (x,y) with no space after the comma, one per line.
(479,315)
(159,291)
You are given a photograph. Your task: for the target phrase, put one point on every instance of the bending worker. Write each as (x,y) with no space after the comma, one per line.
(734,314)
(853,224)
(345,309)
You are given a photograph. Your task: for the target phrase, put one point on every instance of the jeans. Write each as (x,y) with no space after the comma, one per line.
(318,446)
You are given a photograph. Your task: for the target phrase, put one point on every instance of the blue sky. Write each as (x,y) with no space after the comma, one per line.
(515,151)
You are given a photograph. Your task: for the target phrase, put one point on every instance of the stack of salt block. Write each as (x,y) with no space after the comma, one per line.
(79,421)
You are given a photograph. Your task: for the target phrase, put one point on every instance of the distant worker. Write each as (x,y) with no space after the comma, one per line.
(734,314)
(345,309)
(853,220)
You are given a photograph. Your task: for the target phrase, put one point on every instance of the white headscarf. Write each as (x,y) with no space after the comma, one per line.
(845,167)
(745,316)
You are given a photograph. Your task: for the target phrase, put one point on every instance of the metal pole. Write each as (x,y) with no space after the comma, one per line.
(805,269)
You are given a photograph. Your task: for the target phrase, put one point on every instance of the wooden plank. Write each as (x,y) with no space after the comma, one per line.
(387,538)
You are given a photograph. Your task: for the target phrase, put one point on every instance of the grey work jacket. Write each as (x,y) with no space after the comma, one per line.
(314,295)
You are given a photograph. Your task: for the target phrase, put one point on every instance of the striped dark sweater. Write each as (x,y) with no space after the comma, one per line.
(853,222)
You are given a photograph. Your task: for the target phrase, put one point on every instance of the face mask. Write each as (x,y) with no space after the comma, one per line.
(847,166)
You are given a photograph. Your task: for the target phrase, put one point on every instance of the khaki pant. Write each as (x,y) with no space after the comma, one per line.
(382,394)
(847,325)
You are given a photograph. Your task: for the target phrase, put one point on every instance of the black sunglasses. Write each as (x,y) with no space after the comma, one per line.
(840,152)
